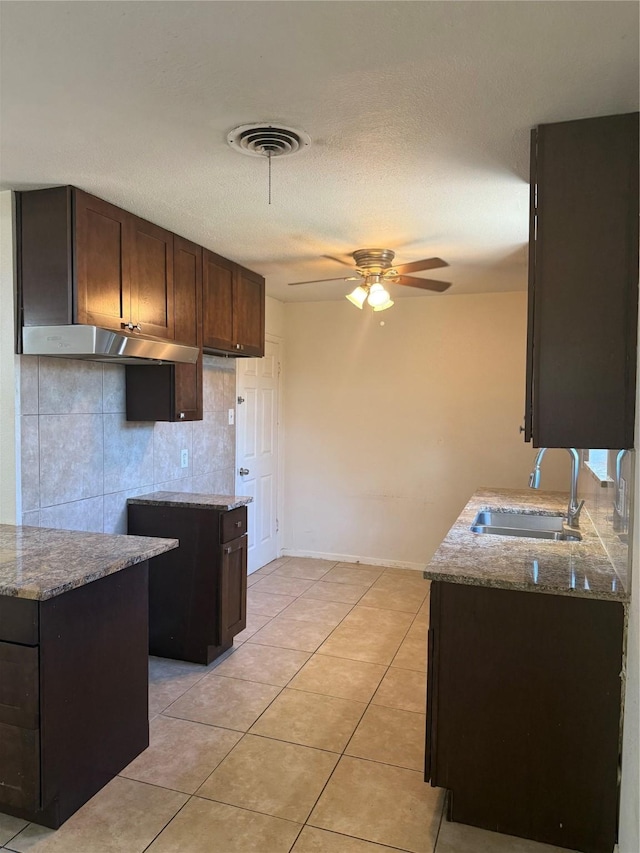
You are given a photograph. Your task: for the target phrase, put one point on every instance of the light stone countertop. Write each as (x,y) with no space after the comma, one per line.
(40,563)
(190,499)
(534,565)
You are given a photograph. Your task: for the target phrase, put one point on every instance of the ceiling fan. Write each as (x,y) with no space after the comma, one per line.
(375,269)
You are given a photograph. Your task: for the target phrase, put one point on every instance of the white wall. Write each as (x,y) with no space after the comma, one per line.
(8,473)
(390,428)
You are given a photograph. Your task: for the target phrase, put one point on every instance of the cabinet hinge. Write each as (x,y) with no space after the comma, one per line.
(279,368)
(277,526)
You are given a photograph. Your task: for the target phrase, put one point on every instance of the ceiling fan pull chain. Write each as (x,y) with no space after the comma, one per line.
(269,155)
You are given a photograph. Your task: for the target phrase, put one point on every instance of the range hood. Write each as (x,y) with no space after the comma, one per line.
(95,344)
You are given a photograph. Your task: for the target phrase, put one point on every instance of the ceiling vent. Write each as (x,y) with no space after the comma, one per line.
(267,140)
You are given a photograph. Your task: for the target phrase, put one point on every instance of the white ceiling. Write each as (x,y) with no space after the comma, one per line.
(419,115)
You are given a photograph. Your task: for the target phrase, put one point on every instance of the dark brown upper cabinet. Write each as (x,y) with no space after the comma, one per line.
(152,288)
(83,260)
(233,312)
(173,392)
(101,247)
(583,284)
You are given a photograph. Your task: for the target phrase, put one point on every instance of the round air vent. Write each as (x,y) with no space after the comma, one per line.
(262,140)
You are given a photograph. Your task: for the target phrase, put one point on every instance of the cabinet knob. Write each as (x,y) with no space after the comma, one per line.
(237,346)
(127,326)
(138,326)
(181,416)
(238,524)
(522,429)
(227,550)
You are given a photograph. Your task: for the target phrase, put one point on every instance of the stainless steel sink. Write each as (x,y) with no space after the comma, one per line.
(524,524)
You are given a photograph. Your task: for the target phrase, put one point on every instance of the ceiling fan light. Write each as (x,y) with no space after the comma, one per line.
(378,295)
(384,307)
(357,296)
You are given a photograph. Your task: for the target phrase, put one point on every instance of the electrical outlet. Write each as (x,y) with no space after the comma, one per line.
(232,417)
(184,458)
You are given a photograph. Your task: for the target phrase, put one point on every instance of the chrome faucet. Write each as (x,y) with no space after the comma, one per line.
(574,508)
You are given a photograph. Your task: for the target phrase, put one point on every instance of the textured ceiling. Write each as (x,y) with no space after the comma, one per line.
(419,115)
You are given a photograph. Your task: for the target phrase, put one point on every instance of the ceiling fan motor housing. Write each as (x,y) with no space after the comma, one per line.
(374,260)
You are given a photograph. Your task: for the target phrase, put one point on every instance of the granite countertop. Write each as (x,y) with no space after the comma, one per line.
(534,565)
(189,499)
(39,563)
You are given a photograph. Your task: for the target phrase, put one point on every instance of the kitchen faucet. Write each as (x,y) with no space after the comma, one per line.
(573,510)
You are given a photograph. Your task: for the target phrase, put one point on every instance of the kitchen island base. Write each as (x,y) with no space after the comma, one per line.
(73,693)
(523,712)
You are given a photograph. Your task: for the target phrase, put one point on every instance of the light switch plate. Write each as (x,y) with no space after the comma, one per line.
(184,458)
(232,417)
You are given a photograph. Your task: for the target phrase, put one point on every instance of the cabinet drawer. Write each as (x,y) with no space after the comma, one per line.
(19,695)
(19,767)
(233,524)
(19,620)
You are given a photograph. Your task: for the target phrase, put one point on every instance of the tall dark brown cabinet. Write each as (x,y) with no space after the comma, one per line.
(583,283)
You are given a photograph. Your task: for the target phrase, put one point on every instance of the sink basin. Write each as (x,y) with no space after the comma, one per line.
(524,524)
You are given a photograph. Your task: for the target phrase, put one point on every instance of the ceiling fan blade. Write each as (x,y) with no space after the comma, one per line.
(319,280)
(423,283)
(338,260)
(418,266)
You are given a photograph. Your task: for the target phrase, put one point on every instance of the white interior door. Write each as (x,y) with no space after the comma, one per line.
(257,450)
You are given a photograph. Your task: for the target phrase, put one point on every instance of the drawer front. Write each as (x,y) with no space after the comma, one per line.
(233,524)
(19,767)
(19,694)
(19,620)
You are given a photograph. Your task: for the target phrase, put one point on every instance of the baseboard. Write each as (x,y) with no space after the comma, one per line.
(351,558)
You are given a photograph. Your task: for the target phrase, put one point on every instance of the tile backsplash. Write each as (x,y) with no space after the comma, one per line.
(81,459)
(608,500)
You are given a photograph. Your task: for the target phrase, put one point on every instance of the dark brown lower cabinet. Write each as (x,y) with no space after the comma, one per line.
(73,694)
(523,712)
(197,594)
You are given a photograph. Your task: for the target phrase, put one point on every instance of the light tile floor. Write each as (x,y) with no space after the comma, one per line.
(306,737)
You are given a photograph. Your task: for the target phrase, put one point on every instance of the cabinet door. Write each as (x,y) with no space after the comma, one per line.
(584,283)
(187,267)
(152,293)
(218,282)
(19,767)
(102,262)
(248,313)
(233,589)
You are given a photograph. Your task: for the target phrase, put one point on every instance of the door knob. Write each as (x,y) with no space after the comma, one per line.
(243,471)
(240,400)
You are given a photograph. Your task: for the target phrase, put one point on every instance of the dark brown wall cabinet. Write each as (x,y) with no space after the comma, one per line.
(523,712)
(583,283)
(83,260)
(233,316)
(197,593)
(173,392)
(73,694)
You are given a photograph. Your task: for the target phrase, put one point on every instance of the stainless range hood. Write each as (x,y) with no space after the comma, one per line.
(95,344)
